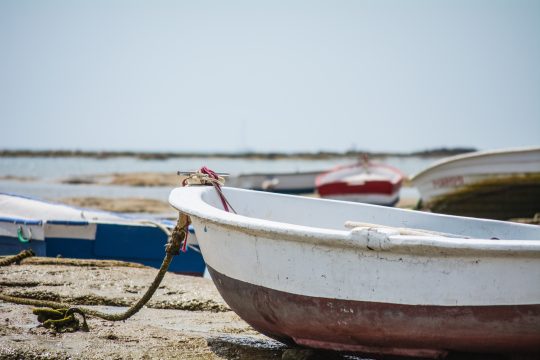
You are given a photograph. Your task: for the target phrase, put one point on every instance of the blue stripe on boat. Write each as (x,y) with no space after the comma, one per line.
(68,222)
(21,221)
(143,245)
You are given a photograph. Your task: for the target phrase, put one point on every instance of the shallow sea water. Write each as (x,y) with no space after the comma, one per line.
(48,172)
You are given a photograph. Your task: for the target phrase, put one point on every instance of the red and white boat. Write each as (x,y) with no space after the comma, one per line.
(365,182)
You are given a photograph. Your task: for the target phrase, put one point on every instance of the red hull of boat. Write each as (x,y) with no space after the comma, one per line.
(381,190)
(370,187)
(382,328)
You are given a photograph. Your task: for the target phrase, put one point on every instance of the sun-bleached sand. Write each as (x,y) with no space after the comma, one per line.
(125,205)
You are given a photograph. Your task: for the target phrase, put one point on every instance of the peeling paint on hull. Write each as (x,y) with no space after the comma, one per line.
(382,328)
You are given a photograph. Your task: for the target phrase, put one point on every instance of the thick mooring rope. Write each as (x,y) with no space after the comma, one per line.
(17,258)
(51,316)
(61,316)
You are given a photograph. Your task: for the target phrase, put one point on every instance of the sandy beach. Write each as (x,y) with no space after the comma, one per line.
(185,319)
(143,179)
(125,205)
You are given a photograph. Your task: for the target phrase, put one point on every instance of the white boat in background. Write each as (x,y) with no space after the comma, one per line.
(497,184)
(55,229)
(369,279)
(287,183)
(364,181)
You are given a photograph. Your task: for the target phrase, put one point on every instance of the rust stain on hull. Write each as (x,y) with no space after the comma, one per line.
(382,328)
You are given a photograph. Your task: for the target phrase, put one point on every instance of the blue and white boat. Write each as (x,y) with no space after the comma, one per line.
(53,229)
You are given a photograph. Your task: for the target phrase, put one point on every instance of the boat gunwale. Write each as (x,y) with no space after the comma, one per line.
(114,218)
(20,221)
(120,222)
(365,239)
(67,207)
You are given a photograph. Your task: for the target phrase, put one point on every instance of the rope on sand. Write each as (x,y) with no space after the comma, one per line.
(17,258)
(61,316)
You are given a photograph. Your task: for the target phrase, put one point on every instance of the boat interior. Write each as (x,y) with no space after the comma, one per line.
(335,215)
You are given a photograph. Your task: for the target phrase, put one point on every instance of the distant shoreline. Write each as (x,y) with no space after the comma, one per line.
(440,152)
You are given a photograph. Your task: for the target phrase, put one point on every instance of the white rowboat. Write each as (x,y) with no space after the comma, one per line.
(286,183)
(497,184)
(398,282)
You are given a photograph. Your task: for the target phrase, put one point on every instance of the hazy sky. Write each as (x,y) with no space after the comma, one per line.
(269,75)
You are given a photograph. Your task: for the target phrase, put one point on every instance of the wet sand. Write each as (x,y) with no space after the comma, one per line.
(125,205)
(185,319)
(153,206)
(145,179)
(141,205)
(129,204)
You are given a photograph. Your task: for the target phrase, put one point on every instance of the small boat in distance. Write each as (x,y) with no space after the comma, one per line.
(365,182)
(54,229)
(369,279)
(497,184)
(286,182)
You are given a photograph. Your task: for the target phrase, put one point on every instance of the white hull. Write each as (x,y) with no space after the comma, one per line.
(41,219)
(295,183)
(376,199)
(450,174)
(301,246)
(294,269)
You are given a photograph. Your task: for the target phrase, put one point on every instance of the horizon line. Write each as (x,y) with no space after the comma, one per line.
(156,155)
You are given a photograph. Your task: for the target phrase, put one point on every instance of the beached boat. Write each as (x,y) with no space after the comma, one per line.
(499,184)
(369,279)
(52,229)
(286,183)
(364,181)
